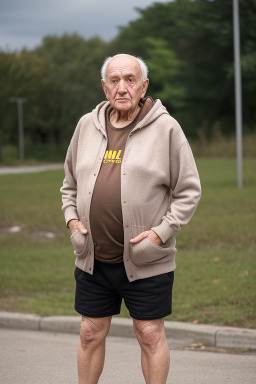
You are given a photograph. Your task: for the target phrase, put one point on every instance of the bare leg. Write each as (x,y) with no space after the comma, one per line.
(155,354)
(91,348)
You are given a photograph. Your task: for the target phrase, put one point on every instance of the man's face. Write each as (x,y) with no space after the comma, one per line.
(124,85)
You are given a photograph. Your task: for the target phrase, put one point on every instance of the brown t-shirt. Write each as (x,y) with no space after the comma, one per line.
(106,213)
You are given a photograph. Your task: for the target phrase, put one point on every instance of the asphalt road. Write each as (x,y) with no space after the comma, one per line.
(28,357)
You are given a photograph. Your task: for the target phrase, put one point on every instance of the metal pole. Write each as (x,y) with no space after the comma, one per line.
(20,101)
(238,97)
(21,130)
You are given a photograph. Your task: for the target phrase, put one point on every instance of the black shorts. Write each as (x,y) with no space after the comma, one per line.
(101,294)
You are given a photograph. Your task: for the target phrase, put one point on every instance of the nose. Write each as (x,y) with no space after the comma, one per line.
(122,87)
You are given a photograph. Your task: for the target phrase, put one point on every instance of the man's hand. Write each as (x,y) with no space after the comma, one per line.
(76,225)
(150,235)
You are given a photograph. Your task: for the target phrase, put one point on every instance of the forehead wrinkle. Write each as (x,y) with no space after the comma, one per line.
(133,68)
(121,69)
(122,73)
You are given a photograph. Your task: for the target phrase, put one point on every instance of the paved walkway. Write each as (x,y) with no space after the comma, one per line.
(8,170)
(50,358)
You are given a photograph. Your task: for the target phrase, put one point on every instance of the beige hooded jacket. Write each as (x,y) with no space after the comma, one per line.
(160,188)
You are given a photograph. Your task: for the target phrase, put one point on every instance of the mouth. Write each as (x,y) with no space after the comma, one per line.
(122,99)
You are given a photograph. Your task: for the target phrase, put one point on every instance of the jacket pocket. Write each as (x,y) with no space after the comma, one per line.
(145,252)
(79,242)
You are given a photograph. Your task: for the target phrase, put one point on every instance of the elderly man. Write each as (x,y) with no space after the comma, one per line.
(130,184)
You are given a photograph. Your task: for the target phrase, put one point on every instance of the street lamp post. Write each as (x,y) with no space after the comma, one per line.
(20,101)
(238,97)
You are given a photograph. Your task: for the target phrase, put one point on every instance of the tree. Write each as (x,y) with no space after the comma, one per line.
(200,33)
(165,83)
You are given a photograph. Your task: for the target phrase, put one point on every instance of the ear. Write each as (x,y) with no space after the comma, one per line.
(104,86)
(144,88)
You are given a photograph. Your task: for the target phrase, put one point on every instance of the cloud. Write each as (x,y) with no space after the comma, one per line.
(23,23)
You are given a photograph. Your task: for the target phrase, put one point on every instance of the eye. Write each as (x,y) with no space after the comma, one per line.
(130,80)
(113,81)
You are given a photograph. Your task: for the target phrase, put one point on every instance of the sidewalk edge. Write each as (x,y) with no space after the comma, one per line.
(183,333)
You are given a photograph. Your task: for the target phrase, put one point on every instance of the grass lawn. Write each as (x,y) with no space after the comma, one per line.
(215,279)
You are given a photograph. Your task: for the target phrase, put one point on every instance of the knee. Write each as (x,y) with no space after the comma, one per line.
(150,335)
(92,332)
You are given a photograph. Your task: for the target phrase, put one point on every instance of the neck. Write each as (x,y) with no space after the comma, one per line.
(123,117)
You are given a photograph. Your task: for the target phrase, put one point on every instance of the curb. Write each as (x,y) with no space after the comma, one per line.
(176,332)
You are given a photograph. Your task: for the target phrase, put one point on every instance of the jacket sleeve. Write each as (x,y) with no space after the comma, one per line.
(69,188)
(185,192)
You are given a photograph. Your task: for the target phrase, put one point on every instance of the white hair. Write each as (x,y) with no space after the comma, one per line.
(143,66)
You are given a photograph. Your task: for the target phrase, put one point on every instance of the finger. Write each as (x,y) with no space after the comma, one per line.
(140,237)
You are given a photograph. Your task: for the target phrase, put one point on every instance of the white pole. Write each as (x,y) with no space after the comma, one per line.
(238,97)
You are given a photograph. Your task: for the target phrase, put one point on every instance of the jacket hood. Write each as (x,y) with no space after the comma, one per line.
(155,112)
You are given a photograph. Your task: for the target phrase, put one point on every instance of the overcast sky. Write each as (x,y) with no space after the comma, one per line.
(23,23)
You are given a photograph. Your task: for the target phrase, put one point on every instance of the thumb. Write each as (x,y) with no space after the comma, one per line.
(140,237)
(81,228)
